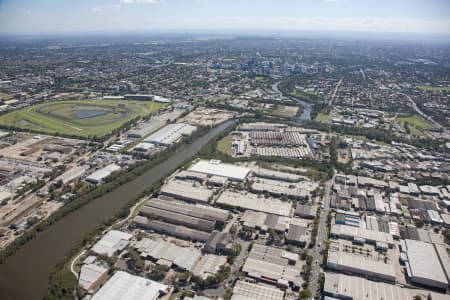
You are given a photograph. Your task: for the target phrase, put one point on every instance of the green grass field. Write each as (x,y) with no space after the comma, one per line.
(321,117)
(434,88)
(5,96)
(224,145)
(415,121)
(83,118)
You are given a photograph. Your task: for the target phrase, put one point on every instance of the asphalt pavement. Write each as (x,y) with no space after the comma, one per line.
(320,239)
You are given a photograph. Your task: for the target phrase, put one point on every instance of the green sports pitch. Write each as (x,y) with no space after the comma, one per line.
(82,118)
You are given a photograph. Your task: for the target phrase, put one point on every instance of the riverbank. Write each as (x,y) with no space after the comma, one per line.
(24,275)
(307,107)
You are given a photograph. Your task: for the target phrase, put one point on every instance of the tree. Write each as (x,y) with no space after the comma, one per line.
(419,223)
(158,272)
(305,294)
(446,234)
(228,293)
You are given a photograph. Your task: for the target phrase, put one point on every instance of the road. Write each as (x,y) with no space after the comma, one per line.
(335,91)
(320,239)
(235,267)
(421,113)
(131,214)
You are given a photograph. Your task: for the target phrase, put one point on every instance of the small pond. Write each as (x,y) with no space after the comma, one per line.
(83,114)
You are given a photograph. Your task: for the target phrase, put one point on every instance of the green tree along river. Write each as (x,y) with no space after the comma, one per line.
(25,274)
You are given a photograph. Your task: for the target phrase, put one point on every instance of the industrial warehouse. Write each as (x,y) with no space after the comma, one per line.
(191,225)
(166,136)
(273,265)
(199,217)
(255,202)
(272,140)
(188,231)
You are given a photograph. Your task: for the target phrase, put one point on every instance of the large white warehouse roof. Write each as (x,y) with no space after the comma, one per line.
(216,167)
(124,286)
(111,242)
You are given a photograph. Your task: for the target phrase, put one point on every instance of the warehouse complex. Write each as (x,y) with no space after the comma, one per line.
(170,134)
(199,217)
(356,264)
(271,140)
(125,286)
(255,202)
(273,265)
(217,168)
(423,265)
(247,290)
(343,286)
(112,242)
(167,253)
(172,229)
(99,175)
(186,191)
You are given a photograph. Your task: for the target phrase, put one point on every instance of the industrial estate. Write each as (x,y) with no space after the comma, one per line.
(230,168)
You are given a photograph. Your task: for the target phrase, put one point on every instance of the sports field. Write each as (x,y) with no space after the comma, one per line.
(434,88)
(415,121)
(83,118)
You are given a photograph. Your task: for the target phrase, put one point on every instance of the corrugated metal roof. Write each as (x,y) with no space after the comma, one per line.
(124,286)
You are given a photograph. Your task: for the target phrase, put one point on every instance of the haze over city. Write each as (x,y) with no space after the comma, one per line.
(49,16)
(225,150)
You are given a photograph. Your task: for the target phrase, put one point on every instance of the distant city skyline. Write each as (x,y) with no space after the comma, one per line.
(51,16)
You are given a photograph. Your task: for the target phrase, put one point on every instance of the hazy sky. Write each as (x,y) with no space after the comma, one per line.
(422,16)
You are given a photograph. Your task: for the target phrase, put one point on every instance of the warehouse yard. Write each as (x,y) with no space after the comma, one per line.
(82,118)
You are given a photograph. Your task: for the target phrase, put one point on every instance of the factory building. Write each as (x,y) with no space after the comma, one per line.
(306,211)
(171,229)
(298,235)
(218,242)
(277,175)
(90,278)
(340,286)
(256,203)
(423,265)
(189,175)
(112,242)
(245,290)
(263,222)
(434,217)
(147,127)
(275,138)
(144,147)
(370,182)
(299,190)
(208,265)
(273,265)
(125,286)
(200,211)
(355,264)
(176,212)
(170,134)
(216,167)
(378,238)
(99,175)
(168,254)
(176,218)
(71,174)
(262,126)
(187,191)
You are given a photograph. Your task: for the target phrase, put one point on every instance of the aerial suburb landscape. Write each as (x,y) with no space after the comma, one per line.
(230,150)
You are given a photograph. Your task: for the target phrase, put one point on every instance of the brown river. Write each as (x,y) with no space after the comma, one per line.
(25,274)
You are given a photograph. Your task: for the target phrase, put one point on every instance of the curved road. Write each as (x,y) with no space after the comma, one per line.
(25,274)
